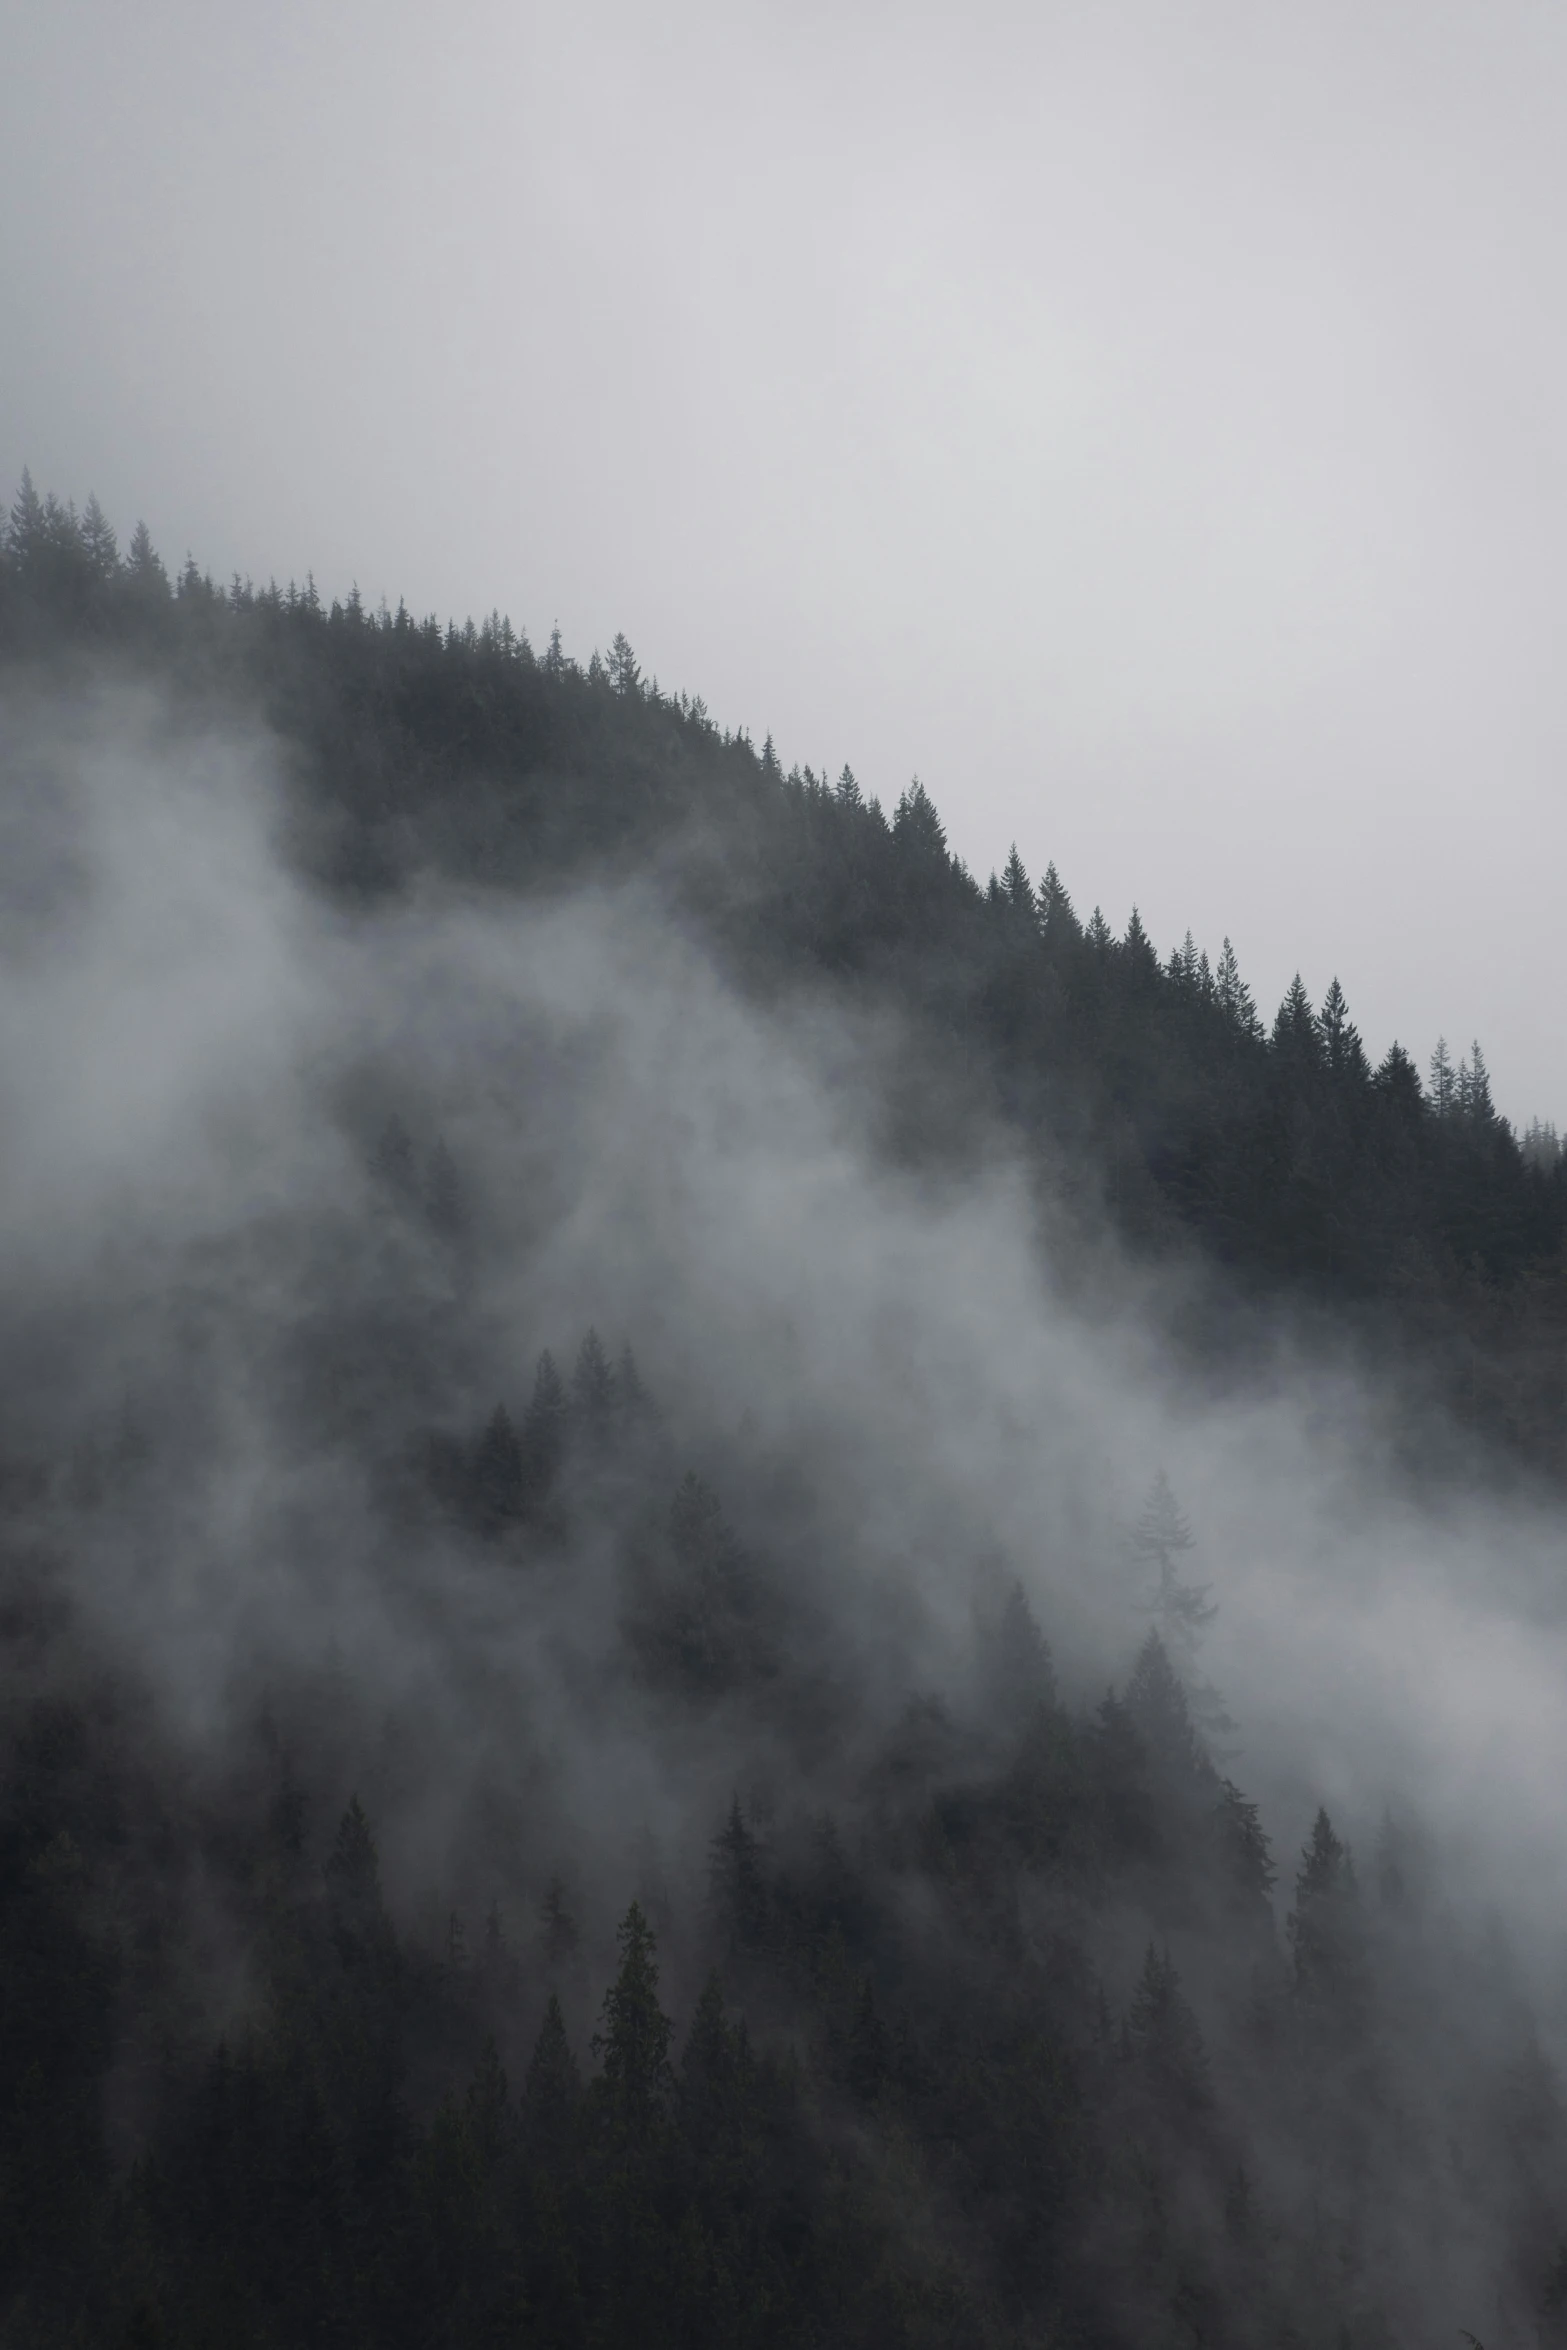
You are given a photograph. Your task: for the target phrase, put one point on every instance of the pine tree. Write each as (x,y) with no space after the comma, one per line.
(1326,1933)
(1245,1854)
(709,2067)
(917,829)
(27,530)
(624,675)
(634,2038)
(99,543)
(1138,959)
(1019,1672)
(1472,1092)
(1297,1039)
(630,1395)
(1233,996)
(593,1382)
(144,567)
(1341,1045)
(1444,1081)
(1018,891)
(1160,1538)
(1164,2034)
(498,1483)
(1157,1704)
(737,1886)
(1058,924)
(552,2092)
(353,1861)
(1397,1081)
(543,1430)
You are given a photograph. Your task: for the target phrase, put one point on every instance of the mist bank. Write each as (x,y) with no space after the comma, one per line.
(1375,1199)
(506,1416)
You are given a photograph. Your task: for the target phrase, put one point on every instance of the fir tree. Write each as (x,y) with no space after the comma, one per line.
(1058,924)
(1233,996)
(1245,1855)
(917,829)
(737,1886)
(593,1382)
(1297,1038)
(634,2038)
(1018,891)
(1159,1540)
(98,543)
(1341,1045)
(1326,1933)
(1164,2033)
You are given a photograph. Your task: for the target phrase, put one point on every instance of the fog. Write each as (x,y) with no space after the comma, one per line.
(229,1320)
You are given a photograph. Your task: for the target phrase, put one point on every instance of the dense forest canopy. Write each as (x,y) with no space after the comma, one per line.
(613,1731)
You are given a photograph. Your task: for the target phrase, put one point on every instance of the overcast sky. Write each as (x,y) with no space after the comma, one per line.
(1145,424)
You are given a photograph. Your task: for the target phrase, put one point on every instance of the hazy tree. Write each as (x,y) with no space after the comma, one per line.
(1058,924)
(1327,1932)
(1164,2033)
(1297,1037)
(1160,1539)
(1233,996)
(1018,891)
(1341,1045)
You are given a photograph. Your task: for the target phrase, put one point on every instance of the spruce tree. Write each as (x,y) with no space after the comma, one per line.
(737,1886)
(1341,1045)
(1326,1932)
(99,543)
(1165,2036)
(593,1383)
(1233,996)
(1018,891)
(1297,1038)
(633,2040)
(1058,923)
(1159,1540)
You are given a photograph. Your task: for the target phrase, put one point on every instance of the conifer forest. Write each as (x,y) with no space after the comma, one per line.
(744,1584)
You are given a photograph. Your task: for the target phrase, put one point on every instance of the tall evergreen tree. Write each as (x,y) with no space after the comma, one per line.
(1297,1038)
(1341,1045)
(1160,1539)
(1326,1931)
(633,2040)
(1018,891)
(1233,996)
(1058,923)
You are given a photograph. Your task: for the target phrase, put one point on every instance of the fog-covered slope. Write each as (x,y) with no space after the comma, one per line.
(677,1666)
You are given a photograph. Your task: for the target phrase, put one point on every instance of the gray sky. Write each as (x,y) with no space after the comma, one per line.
(1145,424)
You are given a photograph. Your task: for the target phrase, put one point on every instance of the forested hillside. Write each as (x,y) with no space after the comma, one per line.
(663,1845)
(1274,1146)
